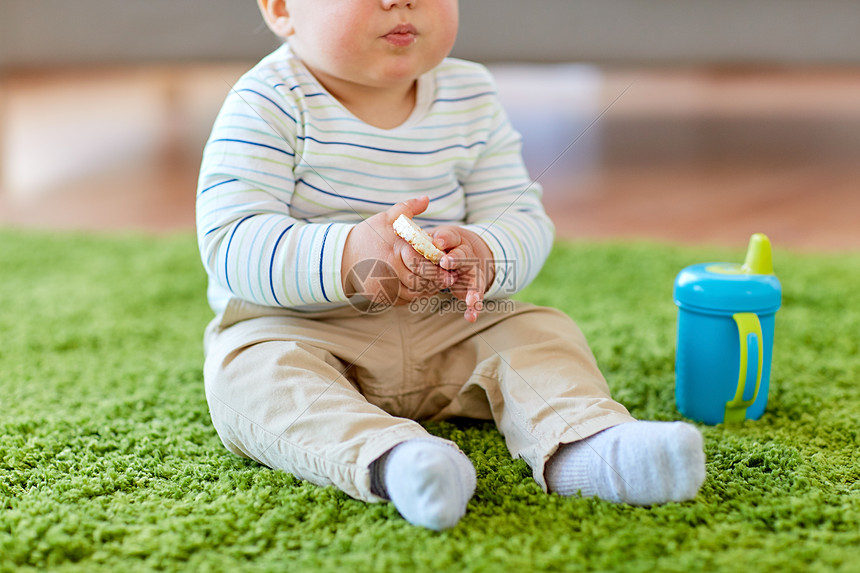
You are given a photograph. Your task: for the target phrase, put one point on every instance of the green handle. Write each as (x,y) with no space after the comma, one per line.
(749,333)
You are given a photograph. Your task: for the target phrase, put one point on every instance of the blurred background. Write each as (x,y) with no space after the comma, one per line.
(694,121)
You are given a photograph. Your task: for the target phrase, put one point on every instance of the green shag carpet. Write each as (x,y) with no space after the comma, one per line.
(108,460)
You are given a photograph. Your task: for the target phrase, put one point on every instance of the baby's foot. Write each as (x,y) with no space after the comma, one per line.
(428,481)
(640,463)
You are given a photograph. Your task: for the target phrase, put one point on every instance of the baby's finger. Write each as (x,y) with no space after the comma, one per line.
(469,278)
(457,258)
(424,269)
(474,305)
(412,286)
(410,208)
(474,299)
(446,238)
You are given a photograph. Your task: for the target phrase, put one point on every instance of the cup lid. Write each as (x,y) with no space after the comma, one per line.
(727,287)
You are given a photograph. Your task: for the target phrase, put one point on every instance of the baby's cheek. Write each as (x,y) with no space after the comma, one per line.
(447,23)
(342,51)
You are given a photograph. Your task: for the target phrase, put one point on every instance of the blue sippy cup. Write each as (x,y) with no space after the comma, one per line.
(725,336)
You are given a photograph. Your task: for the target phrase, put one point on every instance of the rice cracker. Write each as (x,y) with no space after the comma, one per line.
(410,232)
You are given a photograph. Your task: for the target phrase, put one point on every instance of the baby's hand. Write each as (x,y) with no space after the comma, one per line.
(374,239)
(471,261)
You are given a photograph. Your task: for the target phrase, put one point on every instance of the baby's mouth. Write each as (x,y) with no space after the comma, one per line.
(401,35)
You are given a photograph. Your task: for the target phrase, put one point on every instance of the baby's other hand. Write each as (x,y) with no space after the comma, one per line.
(471,260)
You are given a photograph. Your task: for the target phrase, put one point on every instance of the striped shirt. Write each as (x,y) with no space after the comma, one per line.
(288,171)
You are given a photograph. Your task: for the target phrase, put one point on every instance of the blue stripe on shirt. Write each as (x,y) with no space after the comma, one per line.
(227,253)
(399,151)
(272,264)
(224,139)
(216,185)
(344,197)
(322,252)
(496,190)
(466,98)
(270,100)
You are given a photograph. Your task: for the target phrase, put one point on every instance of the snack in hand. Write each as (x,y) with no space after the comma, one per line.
(410,232)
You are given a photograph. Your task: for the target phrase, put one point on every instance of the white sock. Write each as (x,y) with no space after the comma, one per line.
(428,481)
(640,463)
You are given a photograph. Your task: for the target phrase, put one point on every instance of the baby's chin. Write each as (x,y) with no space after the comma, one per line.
(406,70)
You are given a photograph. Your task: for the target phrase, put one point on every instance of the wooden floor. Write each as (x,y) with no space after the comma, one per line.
(680,155)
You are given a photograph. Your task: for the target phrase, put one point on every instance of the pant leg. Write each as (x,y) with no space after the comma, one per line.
(276,397)
(538,378)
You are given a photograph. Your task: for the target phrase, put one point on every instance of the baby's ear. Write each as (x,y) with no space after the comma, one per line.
(277,17)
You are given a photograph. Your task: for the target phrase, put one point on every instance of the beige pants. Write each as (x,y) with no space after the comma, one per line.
(323,395)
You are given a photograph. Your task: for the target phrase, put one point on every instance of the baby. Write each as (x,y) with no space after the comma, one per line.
(333,337)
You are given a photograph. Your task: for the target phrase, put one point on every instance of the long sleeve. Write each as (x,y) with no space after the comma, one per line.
(252,245)
(288,171)
(503,206)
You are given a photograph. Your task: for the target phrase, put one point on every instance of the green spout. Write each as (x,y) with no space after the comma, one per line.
(759,259)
